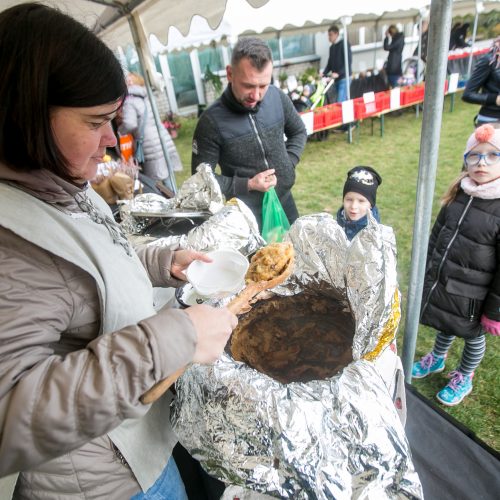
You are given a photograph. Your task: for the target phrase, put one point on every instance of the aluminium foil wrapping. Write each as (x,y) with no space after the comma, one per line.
(234,226)
(199,193)
(338,438)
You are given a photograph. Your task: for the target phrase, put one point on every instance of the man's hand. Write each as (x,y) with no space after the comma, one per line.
(263,181)
(335,75)
(182,259)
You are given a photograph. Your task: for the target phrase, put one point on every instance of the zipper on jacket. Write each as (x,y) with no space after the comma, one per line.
(259,140)
(443,259)
(472,310)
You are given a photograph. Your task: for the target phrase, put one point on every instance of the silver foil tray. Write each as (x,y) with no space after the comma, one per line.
(178,214)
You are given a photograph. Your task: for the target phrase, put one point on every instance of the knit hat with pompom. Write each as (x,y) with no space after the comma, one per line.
(363,180)
(484,133)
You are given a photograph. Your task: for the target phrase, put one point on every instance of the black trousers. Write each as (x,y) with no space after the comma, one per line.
(199,485)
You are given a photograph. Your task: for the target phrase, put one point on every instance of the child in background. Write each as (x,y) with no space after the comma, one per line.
(461,294)
(359,196)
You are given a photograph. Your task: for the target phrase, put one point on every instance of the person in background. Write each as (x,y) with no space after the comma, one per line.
(394,43)
(483,87)
(458,35)
(461,295)
(424,38)
(359,197)
(243,132)
(336,66)
(136,109)
(80,338)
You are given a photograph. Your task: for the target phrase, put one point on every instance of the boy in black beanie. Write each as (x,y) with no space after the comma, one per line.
(359,196)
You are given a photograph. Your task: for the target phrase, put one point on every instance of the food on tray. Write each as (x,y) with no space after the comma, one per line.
(269,262)
(295,339)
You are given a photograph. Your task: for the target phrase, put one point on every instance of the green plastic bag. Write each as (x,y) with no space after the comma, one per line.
(274,221)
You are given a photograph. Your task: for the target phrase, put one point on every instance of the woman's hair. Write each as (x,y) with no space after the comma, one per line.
(452,190)
(495,53)
(393,30)
(48,59)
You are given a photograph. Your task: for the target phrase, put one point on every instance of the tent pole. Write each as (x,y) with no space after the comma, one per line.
(375,46)
(280,48)
(439,33)
(419,48)
(476,18)
(345,22)
(159,125)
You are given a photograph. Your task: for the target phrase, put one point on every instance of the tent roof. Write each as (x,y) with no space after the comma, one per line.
(109,17)
(288,16)
(190,23)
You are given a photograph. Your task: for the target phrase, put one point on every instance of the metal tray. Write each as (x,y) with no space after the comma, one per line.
(178,214)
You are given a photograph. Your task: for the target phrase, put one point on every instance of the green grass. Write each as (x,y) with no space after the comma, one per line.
(320,179)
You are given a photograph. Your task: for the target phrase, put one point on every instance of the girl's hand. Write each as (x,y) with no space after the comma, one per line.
(490,326)
(182,259)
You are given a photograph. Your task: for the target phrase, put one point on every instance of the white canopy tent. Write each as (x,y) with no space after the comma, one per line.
(277,16)
(190,23)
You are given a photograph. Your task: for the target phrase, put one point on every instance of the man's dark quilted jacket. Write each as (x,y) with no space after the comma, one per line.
(244,142)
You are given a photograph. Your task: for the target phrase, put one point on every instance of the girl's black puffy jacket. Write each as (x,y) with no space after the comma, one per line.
(462,278)
(483,87)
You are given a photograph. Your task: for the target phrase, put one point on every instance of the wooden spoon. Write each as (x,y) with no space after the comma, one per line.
(241,303)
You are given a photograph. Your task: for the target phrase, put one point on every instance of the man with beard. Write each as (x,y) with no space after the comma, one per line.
(243,132)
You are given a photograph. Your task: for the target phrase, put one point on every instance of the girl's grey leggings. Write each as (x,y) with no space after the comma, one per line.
(472,354)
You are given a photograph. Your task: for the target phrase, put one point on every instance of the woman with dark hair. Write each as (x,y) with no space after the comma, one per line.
(80,341)
(394,42)
(458,35)
(483,87)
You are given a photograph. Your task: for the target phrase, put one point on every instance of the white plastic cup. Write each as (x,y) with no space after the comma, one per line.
(221,278)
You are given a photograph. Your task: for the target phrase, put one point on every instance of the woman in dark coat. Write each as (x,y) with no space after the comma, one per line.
(394,42)
(483,87)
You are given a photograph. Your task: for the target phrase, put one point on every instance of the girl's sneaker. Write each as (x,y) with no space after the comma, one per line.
(458,387)
(427,365)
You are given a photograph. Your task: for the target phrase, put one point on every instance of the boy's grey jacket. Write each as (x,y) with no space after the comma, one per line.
(246,141)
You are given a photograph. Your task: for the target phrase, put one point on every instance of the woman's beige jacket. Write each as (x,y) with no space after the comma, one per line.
(63,386)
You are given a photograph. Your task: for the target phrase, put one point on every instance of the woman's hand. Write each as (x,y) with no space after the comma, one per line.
(182,259)
(213,327)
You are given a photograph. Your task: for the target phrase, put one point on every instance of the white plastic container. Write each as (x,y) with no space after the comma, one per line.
(218,279)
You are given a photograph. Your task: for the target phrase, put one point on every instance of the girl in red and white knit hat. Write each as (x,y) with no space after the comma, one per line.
(461,296)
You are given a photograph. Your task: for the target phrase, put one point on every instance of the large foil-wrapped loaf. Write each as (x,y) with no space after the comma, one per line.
(297,407)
